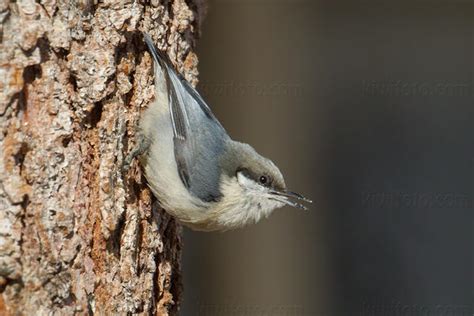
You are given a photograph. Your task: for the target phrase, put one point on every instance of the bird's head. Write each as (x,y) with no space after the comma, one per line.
(260,179)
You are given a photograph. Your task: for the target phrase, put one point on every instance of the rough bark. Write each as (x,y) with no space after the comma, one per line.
(77,234)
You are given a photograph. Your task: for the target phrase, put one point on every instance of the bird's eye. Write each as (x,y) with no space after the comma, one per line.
(263,180)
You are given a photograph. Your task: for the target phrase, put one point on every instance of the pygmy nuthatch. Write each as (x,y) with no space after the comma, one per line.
(202,177)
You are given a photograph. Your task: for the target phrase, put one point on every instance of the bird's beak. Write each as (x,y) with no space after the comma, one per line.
(284,196)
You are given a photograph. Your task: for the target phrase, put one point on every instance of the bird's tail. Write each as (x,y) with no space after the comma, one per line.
(169,84)
(161,73)
(158,56)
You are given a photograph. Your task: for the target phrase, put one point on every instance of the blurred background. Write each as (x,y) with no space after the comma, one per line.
(367,108)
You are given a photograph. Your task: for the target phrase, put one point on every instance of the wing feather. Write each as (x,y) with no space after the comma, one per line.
(199,138)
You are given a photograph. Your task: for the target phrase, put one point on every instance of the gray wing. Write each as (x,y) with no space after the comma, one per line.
(199,138)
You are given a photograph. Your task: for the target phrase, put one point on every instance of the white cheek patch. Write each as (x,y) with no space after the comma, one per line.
(245,201)
(257,193)
(248,184)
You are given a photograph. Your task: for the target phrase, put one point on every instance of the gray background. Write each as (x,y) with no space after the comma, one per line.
(367,108)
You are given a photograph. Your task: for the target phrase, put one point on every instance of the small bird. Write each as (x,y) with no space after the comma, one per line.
(202,177)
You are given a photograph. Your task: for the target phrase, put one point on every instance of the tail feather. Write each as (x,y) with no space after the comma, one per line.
(160,57)
(173,87)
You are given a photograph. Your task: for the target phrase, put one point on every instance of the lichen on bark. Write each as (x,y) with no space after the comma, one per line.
(77,234)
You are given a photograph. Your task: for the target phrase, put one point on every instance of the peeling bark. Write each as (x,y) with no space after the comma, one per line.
(77,234)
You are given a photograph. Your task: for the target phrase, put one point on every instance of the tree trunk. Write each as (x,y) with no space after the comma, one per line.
(77,233)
